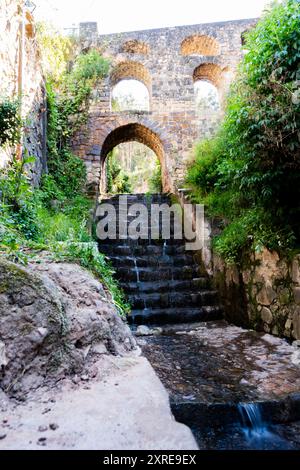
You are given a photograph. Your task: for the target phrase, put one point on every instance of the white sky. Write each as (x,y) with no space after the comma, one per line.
(129,15)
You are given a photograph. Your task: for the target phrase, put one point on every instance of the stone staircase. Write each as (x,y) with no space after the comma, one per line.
(162,280)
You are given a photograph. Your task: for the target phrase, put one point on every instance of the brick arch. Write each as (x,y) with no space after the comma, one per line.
(131,70)
(200,44)
(134,46)
(144,132)
(209,72)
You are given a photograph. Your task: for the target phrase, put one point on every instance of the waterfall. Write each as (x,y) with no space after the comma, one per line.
(253,424)
(258,433)
(136,271)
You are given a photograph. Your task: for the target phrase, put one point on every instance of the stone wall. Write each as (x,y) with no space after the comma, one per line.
(264,296)
(12,74)
(168,61)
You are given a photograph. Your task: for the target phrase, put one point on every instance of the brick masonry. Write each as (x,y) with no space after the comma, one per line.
(168,61)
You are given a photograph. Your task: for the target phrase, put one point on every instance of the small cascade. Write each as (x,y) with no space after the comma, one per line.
(252,422)
(136,271)
(258,433)
(164,248)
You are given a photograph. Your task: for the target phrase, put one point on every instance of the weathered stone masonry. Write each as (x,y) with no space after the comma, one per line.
(29,77)
(168,61)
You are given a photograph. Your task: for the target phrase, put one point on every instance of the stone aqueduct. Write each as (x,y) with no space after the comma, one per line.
(168,61)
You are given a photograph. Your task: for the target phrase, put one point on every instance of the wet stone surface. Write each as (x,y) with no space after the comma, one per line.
(212,370)
(218,363)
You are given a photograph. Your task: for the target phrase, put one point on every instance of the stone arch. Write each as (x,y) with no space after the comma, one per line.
(209,72)
(201,45)
(138,132)
(134,46)
(131,70)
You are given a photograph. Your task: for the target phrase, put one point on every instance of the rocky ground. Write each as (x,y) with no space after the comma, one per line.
(71,372)
(125,407)
(216,362)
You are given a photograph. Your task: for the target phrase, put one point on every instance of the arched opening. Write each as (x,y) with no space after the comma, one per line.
(130,87)
(130,95)
(135,133)
(135,47)
(200,45)
(132,167)
(207,80)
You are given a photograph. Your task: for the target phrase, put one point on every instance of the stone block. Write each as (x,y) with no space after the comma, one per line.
(266,315)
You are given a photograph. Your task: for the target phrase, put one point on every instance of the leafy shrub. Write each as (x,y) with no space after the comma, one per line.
(16,198)
(117,179)
(10,122)
(155,183)
(252,165)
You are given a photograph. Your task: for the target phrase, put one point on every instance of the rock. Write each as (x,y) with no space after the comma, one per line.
(296,358)
(3,358)
(53,426)
(266,295)
(266,315)
(42,441)
(296,323)
(296,344)
(288,324)
(99,348)
(43,428)
(38,336)
(43,320)
(143,330)
(296,292)
(296,270)
(2,436)
(275,331)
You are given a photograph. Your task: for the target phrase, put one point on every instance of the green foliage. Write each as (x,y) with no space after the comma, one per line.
(56,217)
(117,179)
(89,67)
(155,183)
(57,51)
(249,173)
(10,122)
(67,111)
(17,207)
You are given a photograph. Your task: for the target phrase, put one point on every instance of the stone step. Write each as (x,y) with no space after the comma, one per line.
(133,250)
(141,242)
(166,286)
(173,299)
(148,260)
(175,315)
(161,273)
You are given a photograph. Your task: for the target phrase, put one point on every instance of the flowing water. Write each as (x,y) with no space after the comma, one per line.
(165,285)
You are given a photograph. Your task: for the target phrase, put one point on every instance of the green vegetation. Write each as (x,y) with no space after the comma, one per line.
(248,176)
(10,122)
(117,180)
(55,218)
(155,183)
(133,167)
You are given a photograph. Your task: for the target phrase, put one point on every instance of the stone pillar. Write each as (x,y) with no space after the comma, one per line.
(88,30)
